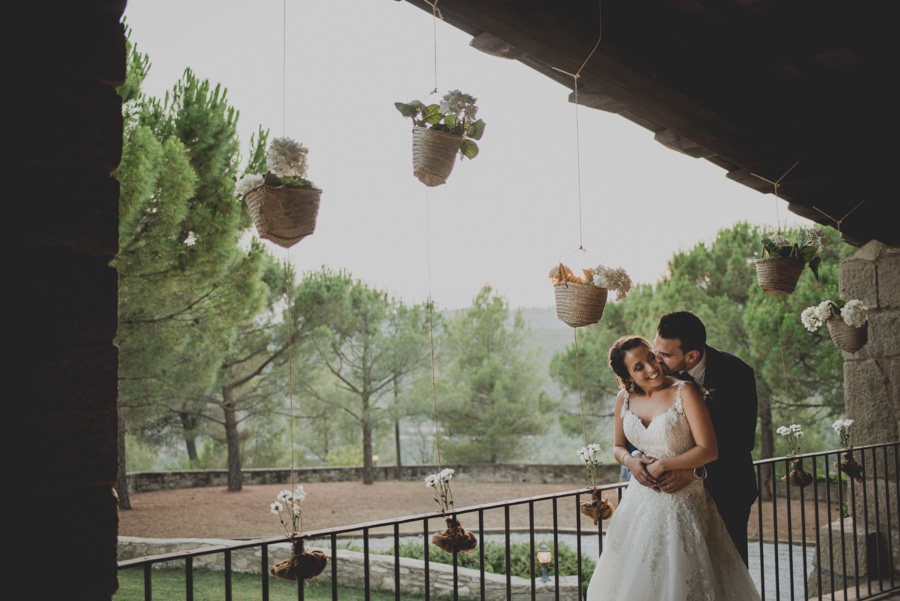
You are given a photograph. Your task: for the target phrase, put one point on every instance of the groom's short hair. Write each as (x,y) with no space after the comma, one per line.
(684,326)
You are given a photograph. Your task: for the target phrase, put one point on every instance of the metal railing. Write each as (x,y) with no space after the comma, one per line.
(842,548)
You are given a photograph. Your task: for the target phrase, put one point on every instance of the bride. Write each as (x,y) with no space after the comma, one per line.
(664,546)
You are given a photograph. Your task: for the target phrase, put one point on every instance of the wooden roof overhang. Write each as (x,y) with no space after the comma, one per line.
(753,86)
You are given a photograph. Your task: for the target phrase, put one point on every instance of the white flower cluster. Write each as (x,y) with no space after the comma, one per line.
(289,502)
(854,313)
(842,427)
(817,238)
(780,240)
(612,279)
(457,103)
(286,158)
(589,455)
(792,435)
(445,475)
(248,182)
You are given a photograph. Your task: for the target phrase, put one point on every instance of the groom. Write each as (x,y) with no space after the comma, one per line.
(730,390)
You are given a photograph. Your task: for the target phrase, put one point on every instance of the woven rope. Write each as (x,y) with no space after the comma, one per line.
(284,215)
(847,338)
(579,304)
(434,153)
(778,275)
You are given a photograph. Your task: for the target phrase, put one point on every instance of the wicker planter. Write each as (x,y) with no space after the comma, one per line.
(434,153)
(847,338)
(778,275)
(579,304)
(284,215)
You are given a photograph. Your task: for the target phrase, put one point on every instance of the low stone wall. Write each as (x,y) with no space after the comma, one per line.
(504,473)
(350,570)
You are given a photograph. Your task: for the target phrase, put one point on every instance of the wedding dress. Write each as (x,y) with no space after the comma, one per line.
(671,547)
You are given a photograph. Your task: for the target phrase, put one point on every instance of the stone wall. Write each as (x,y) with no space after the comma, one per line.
(506,473)
(351,572)
(872,374)
(64,310)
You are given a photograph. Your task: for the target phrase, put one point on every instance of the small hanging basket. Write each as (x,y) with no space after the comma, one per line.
(434,153)
(847,338)
(302,564)
(579,304)
(454,538)
(851,467)
(798,477)
(778,275)
(598,509)
(283,214)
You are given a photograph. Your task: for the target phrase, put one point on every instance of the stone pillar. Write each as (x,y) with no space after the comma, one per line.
(872,383)
(64,295)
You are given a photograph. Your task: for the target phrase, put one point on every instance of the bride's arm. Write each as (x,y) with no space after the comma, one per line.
(706,449)
(636,465)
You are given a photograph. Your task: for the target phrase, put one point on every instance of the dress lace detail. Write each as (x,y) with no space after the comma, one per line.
(671,547)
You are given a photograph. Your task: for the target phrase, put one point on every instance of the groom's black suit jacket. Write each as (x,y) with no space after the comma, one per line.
(732,405)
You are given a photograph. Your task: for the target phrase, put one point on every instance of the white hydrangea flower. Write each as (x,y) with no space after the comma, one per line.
(780,240)
(286,158)
(810,319)
(854,313)
(276,507)
(823,311)
(248,182)
(600,280)
(457,103)
(817,238)
(612,278)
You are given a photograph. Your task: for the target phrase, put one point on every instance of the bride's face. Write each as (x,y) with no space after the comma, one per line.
(643,367)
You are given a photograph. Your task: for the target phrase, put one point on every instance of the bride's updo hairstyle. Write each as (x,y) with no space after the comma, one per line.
(617,361)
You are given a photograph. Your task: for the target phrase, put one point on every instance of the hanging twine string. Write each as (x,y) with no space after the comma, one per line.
(580,395)
(837,223)
(283,65)
(290,358)
(776,184)
(436,13)
(783,363)
(437,431)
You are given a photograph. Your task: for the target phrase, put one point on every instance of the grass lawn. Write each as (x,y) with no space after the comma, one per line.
(168,585)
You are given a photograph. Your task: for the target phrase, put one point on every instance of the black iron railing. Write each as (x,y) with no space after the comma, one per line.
(843,543)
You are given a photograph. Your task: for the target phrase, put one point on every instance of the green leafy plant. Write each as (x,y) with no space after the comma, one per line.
(807,250)
(454,115)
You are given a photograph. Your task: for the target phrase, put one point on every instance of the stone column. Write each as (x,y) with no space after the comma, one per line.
(872,384)
(64,293)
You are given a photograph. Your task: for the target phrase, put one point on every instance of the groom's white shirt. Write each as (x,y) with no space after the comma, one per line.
(698,372)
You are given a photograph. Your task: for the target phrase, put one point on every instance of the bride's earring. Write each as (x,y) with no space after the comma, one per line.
(629,386)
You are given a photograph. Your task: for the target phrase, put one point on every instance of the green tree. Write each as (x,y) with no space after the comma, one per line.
(490,395)
(369,342)
(183,279)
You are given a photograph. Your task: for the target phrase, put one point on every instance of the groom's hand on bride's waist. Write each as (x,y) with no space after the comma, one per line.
(638,466)
(675,480)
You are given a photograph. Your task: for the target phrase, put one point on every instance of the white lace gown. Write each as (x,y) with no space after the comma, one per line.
(671,547)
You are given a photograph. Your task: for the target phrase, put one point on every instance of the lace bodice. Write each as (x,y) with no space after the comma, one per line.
(667,435)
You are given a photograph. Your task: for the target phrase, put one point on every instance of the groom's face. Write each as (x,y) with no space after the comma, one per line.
(669,354)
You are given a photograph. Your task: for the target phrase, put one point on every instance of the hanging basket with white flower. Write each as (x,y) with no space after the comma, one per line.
(580,300)
(848,464)
(284,205)
(847,323)
(439,132)
(783,261)
(455,538)
(598,508)
(302,564)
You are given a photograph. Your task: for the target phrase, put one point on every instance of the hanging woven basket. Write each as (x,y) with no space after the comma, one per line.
(434,153)
(579,304)
(778,275)
(282,214)
(847,338)
(454,538)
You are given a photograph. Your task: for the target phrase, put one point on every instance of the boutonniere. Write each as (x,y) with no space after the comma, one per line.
(707,393)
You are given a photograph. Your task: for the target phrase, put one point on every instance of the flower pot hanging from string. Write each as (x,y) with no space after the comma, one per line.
(798,477)
(598,508)
(454,538)
(783,261)
(301,564)
(847,322)
(440,131)
(580,300)
(284,205)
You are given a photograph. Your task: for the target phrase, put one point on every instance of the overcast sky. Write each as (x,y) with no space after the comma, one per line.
(505,217)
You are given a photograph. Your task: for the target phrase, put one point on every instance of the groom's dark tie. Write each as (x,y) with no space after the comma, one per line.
(683,375)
